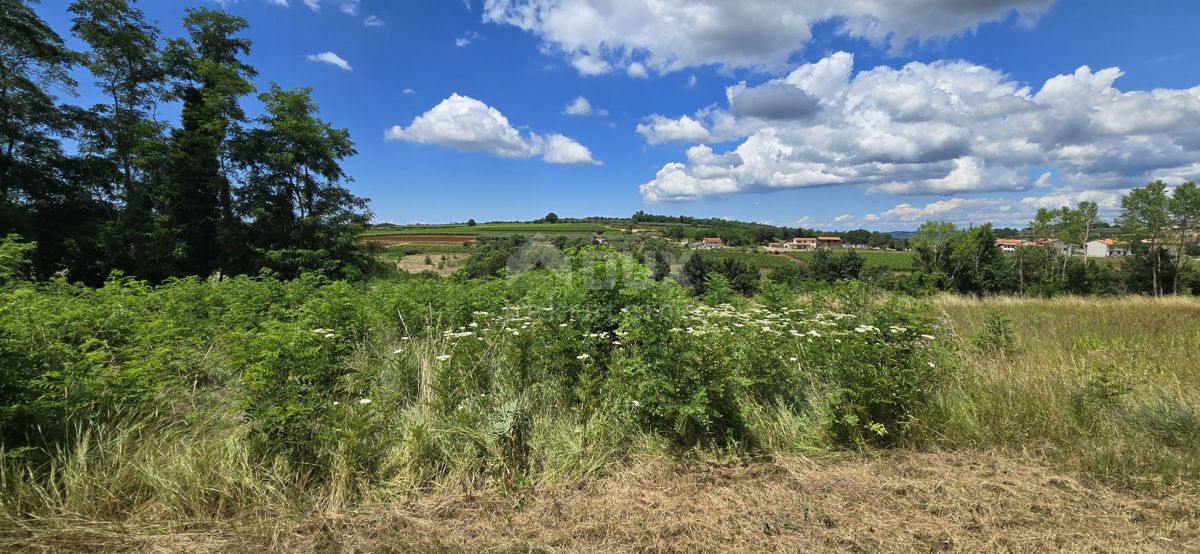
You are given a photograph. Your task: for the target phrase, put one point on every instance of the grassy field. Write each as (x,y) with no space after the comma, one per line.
(1107,387)
(510,425)
(493,229)
(898,261)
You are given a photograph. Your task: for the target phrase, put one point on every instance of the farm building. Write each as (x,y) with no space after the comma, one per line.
(1009,245)
(829,242)
(1106,248)
(803,243)
(709,243)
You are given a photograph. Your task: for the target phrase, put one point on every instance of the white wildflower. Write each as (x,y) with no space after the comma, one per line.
(397,351)
(364,401)
(443,357)
(583,356)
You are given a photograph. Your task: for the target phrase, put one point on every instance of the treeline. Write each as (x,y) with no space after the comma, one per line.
(1159,227)
(218,192)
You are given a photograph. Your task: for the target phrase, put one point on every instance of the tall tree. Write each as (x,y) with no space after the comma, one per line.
(932,243)
(301,217)
(211,78)
(1146,218)
(124,144)
(43,195)
(33,59)
(1184,208)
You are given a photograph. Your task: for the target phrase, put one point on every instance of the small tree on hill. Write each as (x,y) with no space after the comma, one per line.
(551,218)
(470,223)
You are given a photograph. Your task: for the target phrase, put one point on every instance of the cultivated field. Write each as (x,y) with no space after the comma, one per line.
(493,229)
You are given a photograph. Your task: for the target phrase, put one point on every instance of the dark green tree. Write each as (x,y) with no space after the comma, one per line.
(122,142)
(43,193)
(199,198)
(300,216)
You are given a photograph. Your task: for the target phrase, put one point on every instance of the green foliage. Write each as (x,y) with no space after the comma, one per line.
(832,268)
(14,258)
(996,336)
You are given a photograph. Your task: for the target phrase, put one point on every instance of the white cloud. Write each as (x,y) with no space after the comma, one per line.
(466,39)
(667,35)
(976,211)
(280,3)
(946,128)
(373,21)
(691,82)
(409,91)
(636,70)
(314,5)
(331,59)
(466,124)
(558,149)
(350,7)
(590,65)
(661,129)
(578,106)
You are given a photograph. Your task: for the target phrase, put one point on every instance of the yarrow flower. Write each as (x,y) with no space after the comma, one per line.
(443,357)
(398,350)
(364,401)
(583,356)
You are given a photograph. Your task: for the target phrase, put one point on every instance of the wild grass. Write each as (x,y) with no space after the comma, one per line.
(436,387)
(895,261)
(1108,387)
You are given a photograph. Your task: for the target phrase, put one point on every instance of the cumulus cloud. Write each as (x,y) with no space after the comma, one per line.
(373,21)
(974,211)
(660,129)
(331,59)
(944,128)
(667,35)
(578,106)
(466,124)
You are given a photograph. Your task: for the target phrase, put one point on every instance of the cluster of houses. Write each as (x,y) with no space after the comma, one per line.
(806,243)
(1099,248)
(798,243)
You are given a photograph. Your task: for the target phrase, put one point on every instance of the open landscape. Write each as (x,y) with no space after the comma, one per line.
(595,276)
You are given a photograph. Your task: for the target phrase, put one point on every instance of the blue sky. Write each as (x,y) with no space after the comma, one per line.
(955,136)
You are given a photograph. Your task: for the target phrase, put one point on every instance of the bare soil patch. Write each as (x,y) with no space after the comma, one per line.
(900,501)
(442,264)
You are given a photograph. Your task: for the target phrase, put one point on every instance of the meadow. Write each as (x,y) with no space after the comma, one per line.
(133,412)
(895,261)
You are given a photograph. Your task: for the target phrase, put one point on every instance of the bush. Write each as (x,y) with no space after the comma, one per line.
(996,337)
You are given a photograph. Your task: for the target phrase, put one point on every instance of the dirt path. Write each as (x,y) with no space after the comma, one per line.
(910,502)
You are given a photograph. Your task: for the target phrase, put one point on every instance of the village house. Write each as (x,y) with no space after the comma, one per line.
(1106,248)
(1008,246)
(829,242)
(709,243)
(803,243)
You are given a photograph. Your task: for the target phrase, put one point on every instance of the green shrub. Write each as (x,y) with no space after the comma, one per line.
(996,336)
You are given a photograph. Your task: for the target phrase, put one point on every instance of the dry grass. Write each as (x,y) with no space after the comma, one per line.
(901,501)
(1107,386)
(442,264)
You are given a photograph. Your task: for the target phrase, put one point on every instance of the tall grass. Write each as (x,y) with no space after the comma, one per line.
(1109,387)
